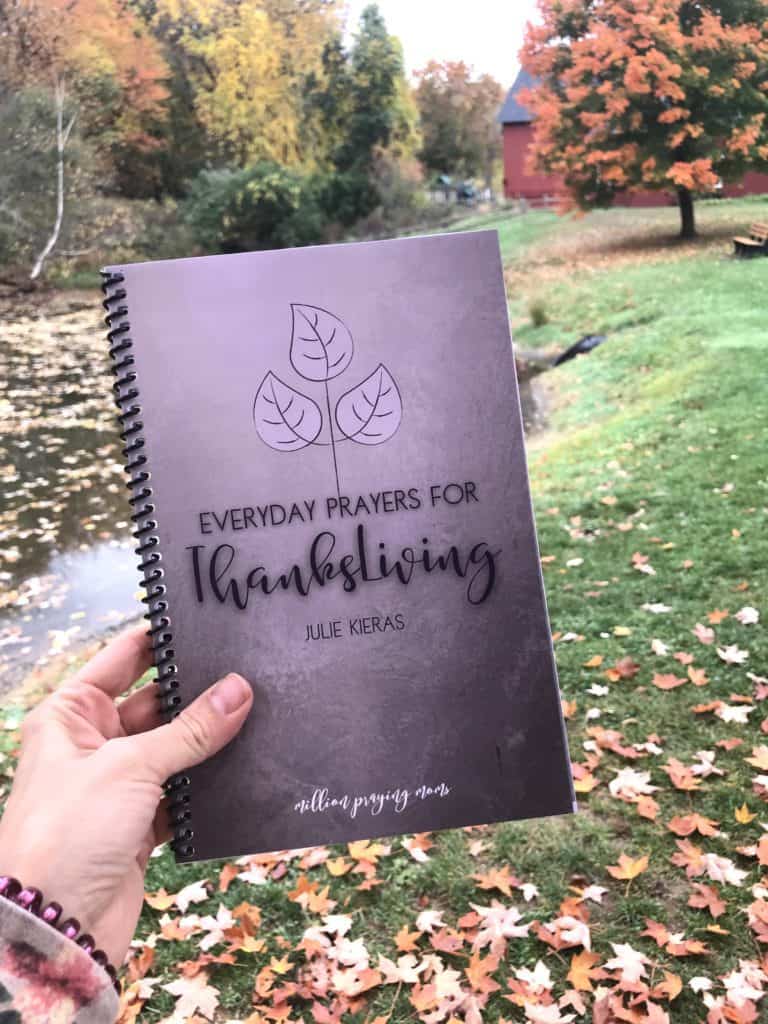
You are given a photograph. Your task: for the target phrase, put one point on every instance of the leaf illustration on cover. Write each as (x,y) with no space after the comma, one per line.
(285,419)
(321,345)
(371,412)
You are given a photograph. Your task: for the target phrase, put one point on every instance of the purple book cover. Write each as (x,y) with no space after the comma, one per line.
(330,489)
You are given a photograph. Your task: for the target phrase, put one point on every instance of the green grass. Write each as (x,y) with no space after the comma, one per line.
(669,410)
(516,232)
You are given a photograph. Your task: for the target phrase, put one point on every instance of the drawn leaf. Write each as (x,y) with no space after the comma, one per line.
(371,412)
(321,345)
(285,419)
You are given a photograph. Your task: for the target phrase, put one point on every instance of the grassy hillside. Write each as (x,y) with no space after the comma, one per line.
(651,497)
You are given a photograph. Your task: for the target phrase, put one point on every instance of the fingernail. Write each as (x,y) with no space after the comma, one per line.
(229,693)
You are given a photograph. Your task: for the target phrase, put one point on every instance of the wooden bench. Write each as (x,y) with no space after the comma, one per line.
(756,243)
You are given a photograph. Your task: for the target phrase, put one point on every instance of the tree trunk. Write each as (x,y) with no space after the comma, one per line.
(687,215)
(62,135)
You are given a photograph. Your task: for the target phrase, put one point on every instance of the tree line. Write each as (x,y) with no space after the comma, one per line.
(258,119)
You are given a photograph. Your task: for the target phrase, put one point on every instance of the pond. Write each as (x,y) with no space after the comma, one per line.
(67,567)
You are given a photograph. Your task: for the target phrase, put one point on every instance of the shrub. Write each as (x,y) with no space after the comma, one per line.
(537,310)
(259,207)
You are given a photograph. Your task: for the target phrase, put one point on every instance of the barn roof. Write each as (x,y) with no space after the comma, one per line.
(513,111)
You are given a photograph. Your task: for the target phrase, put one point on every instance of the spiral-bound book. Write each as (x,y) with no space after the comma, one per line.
(328,480)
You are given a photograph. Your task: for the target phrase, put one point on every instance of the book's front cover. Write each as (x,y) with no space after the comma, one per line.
(336,453)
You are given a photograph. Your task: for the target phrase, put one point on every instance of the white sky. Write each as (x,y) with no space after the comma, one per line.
(483,33)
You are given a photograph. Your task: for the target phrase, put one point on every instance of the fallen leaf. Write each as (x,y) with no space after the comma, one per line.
(698,676)
(192,995)
(498,878)
(703,634)
(743,815)
(667,681)
(628,961)
(705,897)
(732,654)
(581,968)
(748,616)
(628,868)
(685,826)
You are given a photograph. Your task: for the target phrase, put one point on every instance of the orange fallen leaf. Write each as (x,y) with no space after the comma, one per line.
(689,856)
(698,676)
(227,875)
(716,616)
(670,988)
(406,941)
(479,972)
(625,668)
(681,775)
(700,709)
(657,931)
(594,662)
(647,807)
(581,968)
(685,826)
(498,878)
(667,680)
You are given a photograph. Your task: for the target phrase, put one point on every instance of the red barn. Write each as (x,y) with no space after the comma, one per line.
(537,189)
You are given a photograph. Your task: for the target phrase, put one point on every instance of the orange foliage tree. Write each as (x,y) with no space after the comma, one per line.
(102,67)
(648,94)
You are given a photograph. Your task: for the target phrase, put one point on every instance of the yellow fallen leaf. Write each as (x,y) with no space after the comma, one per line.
(743,815)
(160,900)
(338,866)
(627,867)
(759,758)
(586,783)
(280,966)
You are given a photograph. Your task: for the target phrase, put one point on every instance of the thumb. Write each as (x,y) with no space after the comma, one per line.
(200,730)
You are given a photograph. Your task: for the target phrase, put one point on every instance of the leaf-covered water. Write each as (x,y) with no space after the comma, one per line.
(67,568)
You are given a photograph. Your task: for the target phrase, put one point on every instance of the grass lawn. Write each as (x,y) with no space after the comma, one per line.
(651,496)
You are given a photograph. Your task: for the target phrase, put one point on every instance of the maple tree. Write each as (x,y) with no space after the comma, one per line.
(648,94)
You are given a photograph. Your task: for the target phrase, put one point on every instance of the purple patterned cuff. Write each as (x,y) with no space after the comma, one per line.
(44,976)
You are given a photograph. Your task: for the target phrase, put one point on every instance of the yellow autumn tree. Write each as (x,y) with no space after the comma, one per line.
(247,64)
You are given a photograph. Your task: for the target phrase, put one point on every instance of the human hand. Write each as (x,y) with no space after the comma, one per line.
(86,808)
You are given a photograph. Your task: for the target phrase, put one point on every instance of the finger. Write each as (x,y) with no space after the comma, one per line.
(118,665)
(140,711)
(202,729)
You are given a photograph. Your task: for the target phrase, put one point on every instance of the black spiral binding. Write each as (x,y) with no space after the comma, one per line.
(126,397)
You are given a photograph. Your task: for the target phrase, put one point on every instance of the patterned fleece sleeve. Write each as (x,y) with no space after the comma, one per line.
(45,978)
